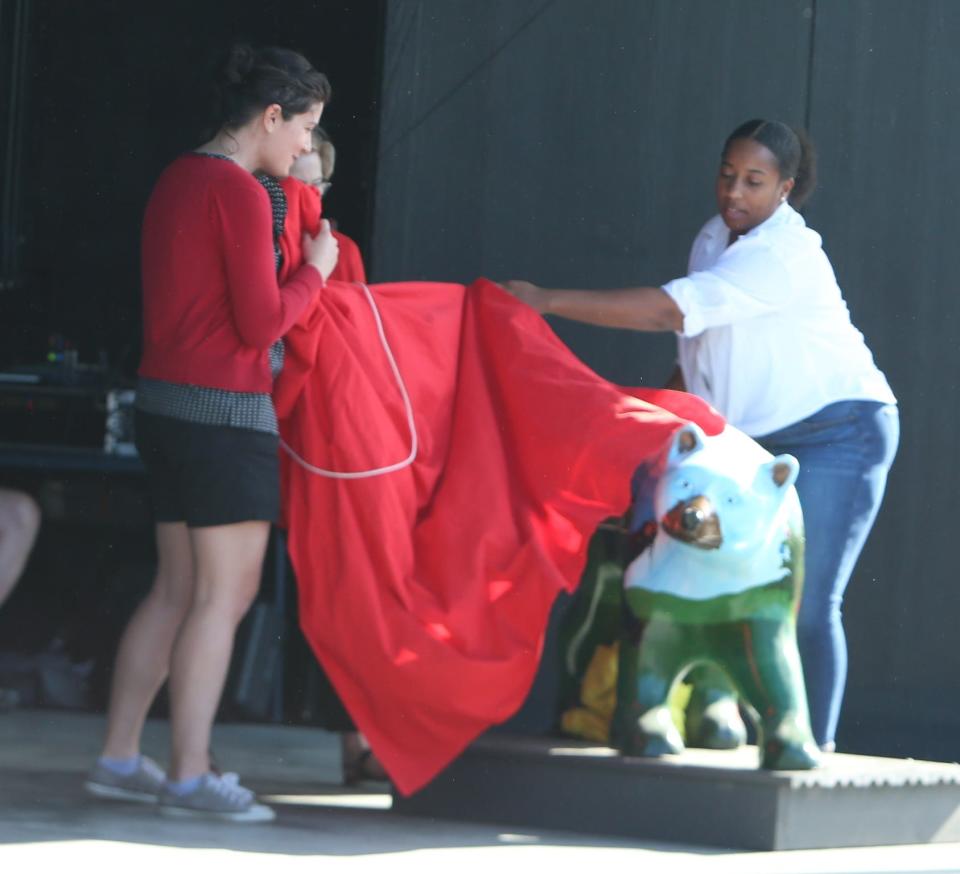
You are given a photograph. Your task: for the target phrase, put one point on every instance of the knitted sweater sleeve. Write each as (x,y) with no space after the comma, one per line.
(262,310)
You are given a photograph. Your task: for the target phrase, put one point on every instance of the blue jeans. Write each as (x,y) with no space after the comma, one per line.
(845,451)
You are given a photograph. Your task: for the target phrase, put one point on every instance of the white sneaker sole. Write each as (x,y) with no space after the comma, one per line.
(254,813)
(115,793)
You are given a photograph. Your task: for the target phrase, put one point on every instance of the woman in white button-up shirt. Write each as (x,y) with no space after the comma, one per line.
(765,336)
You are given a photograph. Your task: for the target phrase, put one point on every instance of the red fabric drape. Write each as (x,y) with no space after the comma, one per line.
(349,265)
(304,204)
(425,592)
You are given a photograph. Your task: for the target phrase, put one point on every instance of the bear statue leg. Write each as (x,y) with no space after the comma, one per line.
(713,718)
(643,725)
(762,660)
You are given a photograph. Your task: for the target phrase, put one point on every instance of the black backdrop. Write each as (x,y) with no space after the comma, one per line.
(576,143)
(113,91)
(567,142)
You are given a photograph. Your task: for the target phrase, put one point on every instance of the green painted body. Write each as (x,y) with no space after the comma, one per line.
(712,601)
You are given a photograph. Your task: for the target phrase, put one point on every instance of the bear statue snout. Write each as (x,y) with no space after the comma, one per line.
(694,522)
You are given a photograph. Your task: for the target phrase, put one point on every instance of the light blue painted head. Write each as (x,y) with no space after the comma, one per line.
(724,492)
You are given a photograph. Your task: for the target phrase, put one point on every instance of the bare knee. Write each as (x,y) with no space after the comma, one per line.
(243,594)
(19,523)
(244,599)
(30,516)
(229,598)
(229,562)
(20,517)
(173,590)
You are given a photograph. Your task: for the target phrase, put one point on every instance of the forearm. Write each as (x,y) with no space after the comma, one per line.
(263,311)
(639,309)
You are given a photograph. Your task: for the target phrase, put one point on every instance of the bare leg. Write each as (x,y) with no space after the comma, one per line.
(228,565)
(19,523)
(143,658)
(359,762)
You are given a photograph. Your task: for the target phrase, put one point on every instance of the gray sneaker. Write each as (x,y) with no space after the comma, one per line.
(144,784)
(217,797)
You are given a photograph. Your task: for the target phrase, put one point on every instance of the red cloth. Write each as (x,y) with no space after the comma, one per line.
(211,302)
(349,263)
(425,592)
(304,200)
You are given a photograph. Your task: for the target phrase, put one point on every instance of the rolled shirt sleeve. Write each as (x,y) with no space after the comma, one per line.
(749,279)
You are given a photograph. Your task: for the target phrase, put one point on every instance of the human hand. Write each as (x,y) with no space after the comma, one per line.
(323,250)
(530,294)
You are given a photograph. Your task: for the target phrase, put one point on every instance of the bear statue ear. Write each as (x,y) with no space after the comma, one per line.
(687,440)
(782,471)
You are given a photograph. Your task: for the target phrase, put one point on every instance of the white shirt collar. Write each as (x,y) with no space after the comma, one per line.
(784,215)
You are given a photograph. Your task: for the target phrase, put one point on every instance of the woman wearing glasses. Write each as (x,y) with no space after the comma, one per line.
(316,170)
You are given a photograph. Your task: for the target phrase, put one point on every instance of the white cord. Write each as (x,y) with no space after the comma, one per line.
(390,468)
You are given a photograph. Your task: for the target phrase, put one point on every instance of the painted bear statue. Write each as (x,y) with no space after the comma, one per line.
(716,595)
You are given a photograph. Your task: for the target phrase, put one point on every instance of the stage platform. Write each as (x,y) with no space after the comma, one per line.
(702,797)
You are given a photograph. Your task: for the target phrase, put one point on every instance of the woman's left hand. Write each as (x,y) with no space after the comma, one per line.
(529,293)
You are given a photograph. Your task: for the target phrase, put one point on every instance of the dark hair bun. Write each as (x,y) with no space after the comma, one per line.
(806,175)
(239,63)
(251,79)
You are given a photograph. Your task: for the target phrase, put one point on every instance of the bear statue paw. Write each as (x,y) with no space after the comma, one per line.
(651,746)
(779,755)
(718,727)
(654,735)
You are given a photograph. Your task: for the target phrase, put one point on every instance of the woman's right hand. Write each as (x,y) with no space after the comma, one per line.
(322,250)
(529,293)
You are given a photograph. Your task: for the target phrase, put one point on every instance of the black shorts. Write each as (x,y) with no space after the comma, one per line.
(209,474)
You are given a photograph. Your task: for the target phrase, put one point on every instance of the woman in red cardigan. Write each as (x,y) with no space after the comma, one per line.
(214,316)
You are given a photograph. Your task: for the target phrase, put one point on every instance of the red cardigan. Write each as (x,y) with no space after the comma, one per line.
(211,303)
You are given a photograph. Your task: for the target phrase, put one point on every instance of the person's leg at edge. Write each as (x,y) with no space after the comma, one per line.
(19,523)
(228,565)
(841,484)
(143,657)
(358,761)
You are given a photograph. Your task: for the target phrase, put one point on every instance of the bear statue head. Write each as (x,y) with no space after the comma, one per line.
(718,585)
(724,492)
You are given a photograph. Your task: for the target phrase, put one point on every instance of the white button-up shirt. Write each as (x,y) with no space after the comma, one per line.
(767,337)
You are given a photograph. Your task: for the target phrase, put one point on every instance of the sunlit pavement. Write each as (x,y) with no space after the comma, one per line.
(48,824)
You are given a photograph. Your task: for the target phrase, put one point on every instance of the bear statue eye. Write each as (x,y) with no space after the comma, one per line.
(684,484)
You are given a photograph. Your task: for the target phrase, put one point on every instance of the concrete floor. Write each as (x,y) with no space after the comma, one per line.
(47,823)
